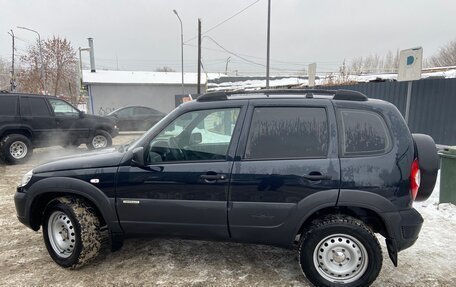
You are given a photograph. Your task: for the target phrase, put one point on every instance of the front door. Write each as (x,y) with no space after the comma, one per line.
(183,190)
(70,125)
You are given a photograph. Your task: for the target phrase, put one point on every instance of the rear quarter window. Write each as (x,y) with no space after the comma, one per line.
(363,133)
(8,105)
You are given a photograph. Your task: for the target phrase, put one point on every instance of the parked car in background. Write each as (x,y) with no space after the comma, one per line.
(28,121)
(135,118)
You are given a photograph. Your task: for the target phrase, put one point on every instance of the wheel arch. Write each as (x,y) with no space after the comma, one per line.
(44,191)
(9,130)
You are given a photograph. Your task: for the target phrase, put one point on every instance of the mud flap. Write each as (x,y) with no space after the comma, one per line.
(392,250)
(116,242)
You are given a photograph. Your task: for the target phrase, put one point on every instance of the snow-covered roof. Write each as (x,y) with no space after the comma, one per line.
(142,77)
(226,83)
(232,83)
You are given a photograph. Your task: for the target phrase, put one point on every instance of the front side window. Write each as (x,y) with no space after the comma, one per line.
(287,132)
(62,108)
(195,136)
(143,111)
(124,113)
(363,133)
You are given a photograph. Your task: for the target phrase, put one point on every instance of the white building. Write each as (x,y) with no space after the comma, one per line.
(110,90)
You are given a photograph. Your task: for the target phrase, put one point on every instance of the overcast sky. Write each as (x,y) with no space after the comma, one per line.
(145,34)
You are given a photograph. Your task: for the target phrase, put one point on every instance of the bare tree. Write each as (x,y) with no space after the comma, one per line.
(60,69)
(4,75)
(375,64)
(164,69)
(446,56)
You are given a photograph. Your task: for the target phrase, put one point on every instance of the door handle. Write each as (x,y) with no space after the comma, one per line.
(209,178)
(316,175)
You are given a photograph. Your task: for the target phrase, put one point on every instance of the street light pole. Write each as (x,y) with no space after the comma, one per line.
(267,47)
(182,49)
(43,80)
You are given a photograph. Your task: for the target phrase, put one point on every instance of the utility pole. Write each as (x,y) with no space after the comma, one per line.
(267,47)
(13,80)
(198,89)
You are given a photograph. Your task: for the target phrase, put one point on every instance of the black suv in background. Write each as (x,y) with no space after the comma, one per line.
(28,121)
(135,118)
(319,170)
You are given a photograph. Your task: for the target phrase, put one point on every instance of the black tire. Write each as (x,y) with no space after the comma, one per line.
(12,144)
(330,230)
(91,144)
(86,238)
(428,160)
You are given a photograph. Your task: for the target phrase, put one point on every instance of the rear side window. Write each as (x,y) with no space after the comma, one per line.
(40,107)
(364,133)
(8,105)
(287,132)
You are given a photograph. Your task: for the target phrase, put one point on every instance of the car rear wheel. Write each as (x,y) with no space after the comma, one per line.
(340,250)
(100,139)
(16,148)
(71,232)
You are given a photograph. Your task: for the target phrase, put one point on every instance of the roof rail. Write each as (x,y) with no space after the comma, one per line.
(4,92)
(347,95)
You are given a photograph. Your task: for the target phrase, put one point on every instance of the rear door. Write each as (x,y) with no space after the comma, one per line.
(287,154)
(37,115)
(8,112)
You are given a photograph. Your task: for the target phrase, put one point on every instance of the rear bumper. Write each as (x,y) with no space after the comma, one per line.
(403,227)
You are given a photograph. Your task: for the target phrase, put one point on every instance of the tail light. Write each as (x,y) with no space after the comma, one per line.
(415,179)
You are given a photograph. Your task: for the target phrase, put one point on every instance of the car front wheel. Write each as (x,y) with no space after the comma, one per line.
(71,232)
(340,250)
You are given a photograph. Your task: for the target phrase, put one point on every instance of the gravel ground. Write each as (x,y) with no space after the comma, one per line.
(24,260)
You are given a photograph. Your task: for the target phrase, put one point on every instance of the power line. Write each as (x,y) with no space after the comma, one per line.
(224,21)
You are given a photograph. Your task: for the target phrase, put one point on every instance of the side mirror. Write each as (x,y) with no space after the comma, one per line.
(138,157)
(196,138)
(81,114)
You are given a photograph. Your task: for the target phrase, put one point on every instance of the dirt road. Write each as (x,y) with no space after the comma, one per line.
(24,260)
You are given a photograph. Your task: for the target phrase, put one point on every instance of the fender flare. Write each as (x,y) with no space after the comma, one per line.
(7,127)
(311,204)
(66,185)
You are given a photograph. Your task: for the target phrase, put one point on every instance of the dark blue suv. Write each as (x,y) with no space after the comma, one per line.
(319,171)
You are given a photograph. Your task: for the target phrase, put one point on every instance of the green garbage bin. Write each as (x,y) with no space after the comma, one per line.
(448,175)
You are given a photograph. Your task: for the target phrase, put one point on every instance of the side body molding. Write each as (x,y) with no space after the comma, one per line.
(67,185)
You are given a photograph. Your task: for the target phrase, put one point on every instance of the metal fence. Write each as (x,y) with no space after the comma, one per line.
(432,107)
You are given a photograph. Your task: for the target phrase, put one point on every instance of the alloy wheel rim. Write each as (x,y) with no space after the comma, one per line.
(61,234)
(18,149)
(340,258)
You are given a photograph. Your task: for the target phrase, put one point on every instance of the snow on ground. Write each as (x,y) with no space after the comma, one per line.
(24,260)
